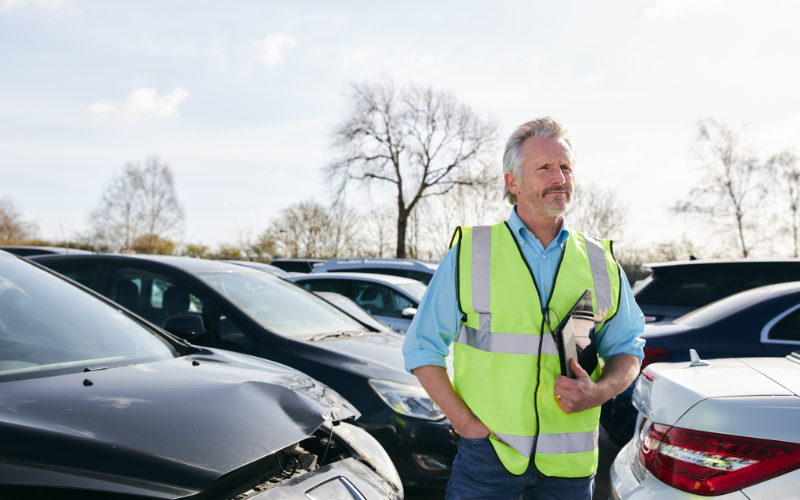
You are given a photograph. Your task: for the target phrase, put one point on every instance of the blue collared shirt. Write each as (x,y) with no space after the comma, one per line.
(438,318)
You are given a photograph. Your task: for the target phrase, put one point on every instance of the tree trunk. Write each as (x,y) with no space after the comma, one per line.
(402,223)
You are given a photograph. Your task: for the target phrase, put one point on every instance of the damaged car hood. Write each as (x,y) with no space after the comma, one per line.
(166,429)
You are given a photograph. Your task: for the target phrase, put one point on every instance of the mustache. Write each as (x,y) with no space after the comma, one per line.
(557,189)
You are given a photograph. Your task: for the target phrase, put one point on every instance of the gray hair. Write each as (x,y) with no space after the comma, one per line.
(540,127)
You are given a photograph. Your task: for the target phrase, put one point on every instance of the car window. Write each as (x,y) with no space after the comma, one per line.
(48,326)
(280,306)
(693,285)
(83,273)
(379,299)
(152,295)
(787,328)
(717,310)
(416,290)
(231,335)
(769,274)
(333,286)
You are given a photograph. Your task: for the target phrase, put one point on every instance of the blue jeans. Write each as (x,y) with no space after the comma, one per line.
(479,474)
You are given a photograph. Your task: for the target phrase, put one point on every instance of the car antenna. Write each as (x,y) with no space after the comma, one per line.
(64,235)
(696,361)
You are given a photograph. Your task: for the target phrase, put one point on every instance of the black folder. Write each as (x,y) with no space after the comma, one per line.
(576,338)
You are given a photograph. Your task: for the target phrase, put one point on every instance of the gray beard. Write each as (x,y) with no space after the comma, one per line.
(549,211)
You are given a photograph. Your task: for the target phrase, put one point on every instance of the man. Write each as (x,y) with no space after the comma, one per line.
(498,296)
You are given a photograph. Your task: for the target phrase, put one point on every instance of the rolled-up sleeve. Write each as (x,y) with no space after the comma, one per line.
(437,320)
(622,334)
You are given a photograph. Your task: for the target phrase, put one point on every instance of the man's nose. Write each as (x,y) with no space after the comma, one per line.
(558,177)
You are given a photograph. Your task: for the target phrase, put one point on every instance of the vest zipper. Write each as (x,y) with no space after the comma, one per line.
(545,315)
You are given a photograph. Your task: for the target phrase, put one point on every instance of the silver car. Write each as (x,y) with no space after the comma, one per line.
(391,299)
(725,427)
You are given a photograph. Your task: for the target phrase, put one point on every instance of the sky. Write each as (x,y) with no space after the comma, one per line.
(240,97)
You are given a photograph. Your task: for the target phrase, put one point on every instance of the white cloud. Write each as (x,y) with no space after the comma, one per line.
(272,49)
(669,9)
(141,105)
(51,5)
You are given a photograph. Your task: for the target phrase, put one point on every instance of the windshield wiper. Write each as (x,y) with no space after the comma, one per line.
(331,335)
(98,368)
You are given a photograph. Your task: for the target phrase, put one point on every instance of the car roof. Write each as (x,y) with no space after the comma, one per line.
(45,250)
(385,278)
(696,262)
(375,262)
(188,264)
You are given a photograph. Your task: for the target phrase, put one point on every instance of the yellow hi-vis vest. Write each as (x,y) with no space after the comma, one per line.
(505,357)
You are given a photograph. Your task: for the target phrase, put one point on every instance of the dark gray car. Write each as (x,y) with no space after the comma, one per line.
(678,288)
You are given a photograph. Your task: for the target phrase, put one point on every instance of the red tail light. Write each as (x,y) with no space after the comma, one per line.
(706,463)
(654,355)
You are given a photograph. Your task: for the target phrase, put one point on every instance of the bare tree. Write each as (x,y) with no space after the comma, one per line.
(731,190)
(598,211)
(256,246)
(380,233)
(309,229)
(417,141)
(162,213)
(785,165)
(14,230)
(140,201)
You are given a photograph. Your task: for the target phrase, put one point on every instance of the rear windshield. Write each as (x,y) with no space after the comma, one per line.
(720,309)
(692,285)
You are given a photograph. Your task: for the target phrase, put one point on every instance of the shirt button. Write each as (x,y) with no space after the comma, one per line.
(529,233)
(543,256)
(546,289)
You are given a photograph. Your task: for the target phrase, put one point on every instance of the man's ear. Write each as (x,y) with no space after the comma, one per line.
(511,183)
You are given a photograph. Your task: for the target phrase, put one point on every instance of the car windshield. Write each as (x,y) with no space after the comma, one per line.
(49,327)
(717,310)
(416,290)
(282,307)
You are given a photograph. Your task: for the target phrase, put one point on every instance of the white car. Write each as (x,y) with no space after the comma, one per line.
(728,428)
(391,299)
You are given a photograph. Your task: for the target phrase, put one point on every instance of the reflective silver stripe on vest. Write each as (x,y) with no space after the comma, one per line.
(574,442)
(481,274)
(553,444)
(507,343)
(602,283)
(522,444)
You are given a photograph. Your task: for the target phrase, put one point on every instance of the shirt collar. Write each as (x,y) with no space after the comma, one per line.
(519,229)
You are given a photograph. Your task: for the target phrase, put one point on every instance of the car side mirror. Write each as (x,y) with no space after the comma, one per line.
(408,312)
(186,326)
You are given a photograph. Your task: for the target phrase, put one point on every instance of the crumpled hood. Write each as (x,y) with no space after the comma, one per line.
(166,428)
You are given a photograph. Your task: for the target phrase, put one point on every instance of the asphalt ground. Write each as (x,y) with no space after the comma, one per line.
(608,453)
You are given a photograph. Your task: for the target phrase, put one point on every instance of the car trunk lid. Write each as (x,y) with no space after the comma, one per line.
(677,387)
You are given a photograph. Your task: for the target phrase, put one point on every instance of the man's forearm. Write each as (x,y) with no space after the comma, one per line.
(437,384)
(618,373)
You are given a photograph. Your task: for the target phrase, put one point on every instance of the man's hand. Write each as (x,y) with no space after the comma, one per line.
(473,429)
(580,393)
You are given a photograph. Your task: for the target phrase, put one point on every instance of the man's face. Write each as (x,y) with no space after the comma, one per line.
(546,178)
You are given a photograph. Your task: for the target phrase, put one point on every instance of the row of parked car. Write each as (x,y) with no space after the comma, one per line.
(351,341)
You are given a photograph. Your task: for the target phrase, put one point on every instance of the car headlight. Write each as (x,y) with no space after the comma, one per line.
(368,449)
(407,399)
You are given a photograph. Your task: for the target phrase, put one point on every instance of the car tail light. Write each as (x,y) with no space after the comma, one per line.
(649,376)
(649,319)
(654,355)
(706,463)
